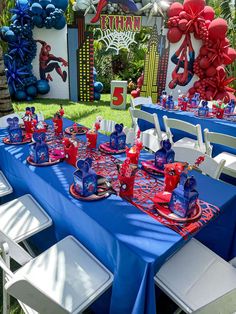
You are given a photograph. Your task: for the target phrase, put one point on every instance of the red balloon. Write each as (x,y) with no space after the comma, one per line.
(218,29)
(231,53)
(194,6)
(203,51)
(174,35)
(192,91)
(208,13)
(225,96)
(175,9)
(196,85)
(211,71)
(209,95)
(135,93)
(183,25)
(204,63)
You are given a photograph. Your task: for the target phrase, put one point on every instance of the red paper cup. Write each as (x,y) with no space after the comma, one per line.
(126,186)
(91,140)
(29,126)
(58,126)
(219,113)
(134,157)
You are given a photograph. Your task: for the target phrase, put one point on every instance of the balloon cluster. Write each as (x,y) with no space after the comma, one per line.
(49,13)
(23,85)
(98,86)
(136,93)
(193,16)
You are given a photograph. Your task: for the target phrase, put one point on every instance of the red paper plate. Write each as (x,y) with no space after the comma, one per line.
(105,148)
(165,212)
(91,198)
(81,130)
(149,166)
(162,197)
(26,140)
(45,164)
(209,116)
(22,126)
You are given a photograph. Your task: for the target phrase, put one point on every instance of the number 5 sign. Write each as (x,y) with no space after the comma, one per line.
(118,94)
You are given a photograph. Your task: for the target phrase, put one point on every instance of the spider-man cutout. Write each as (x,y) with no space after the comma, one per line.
(46,66)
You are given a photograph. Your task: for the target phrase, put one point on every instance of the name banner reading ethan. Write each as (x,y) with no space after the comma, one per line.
(121,23)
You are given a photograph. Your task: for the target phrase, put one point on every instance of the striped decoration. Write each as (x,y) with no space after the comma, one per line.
(5,100)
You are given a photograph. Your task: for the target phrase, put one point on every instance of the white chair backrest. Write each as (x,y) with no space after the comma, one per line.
(107,126)
(218,138)
(130,135)
(183,126)
(40,116)
(151,118)
(3,120)
(209,166)
(150,141)
(140,101)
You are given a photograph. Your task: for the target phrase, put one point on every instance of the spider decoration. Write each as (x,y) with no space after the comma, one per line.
(21,10)
(23,48)
(14,73)
(154,7)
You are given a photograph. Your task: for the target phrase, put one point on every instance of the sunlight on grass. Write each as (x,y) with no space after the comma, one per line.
(84,113)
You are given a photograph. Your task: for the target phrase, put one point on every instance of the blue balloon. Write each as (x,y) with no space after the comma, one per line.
(10,36)
(43,87)
(36,8)
(98,87)
(31,91)
(60,23)
(60,4)
(44,3)
(20,95)
(50,8)
(97,96)
(38,21)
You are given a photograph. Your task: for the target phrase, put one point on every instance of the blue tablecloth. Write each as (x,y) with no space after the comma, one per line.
(214,125)
(127,241)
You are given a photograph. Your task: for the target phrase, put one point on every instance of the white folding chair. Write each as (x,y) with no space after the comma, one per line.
(226,140)
(209,166)
(22,218)
(138,101)
(151,138)
(199,281)
(188,128)
(66,278)
(107,126)
(5,187)
(3,120)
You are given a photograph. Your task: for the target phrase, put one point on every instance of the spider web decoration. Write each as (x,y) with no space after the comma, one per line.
(117,40)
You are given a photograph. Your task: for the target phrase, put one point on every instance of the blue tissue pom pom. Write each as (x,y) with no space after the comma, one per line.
(61,4)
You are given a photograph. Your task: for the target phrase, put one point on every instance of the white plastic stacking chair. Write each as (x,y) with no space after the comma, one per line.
(209,166)
(151,138)
(226,140)
(195,130)
(138,101)
(199,281)
(107,126)
(5,187)
(22,218)
(3,120)
(66,278)
(130,135)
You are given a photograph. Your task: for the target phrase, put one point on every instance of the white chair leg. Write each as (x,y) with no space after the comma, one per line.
(6,297)
(28,248)
(178,311)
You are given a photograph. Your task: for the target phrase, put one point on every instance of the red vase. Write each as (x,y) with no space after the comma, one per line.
(133,156)
(91,140)
(29,126)
(220,113)
(126,186)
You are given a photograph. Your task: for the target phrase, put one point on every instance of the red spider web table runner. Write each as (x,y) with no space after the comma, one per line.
(145,188)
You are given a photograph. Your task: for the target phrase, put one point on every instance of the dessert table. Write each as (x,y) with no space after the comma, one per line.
(213,124)
(130,243)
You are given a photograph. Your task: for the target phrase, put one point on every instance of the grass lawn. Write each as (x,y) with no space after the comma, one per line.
(84,113)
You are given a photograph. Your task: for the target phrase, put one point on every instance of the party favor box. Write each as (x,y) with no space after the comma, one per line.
(39,151)
(165,155)
(15,132)
(184,197)
(85,178)
(118,138)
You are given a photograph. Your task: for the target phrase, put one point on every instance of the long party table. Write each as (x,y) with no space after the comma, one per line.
(126,240)
(213,124)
